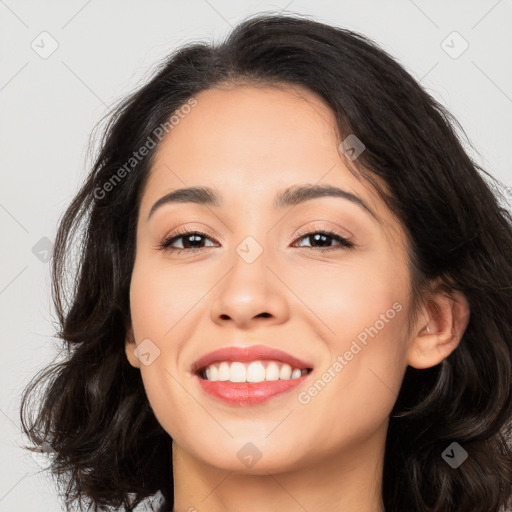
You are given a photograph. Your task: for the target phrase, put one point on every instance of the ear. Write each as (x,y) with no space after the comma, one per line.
(130,346)
(439,330)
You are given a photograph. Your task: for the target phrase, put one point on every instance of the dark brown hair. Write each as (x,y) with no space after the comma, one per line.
(108,446)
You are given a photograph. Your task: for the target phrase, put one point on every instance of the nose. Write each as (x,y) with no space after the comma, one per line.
(250,293)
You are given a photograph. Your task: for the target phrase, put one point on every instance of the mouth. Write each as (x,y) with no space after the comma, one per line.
(249,375)
(250,372)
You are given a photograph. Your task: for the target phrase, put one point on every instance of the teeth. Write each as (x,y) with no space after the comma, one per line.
(285,372)
(272,372)
(296,373)
(256,371)
(223,371)
(237,373)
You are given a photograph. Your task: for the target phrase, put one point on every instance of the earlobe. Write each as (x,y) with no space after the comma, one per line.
(130,346)
(440,330)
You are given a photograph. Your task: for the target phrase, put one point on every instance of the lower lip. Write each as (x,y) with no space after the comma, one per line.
(249,393)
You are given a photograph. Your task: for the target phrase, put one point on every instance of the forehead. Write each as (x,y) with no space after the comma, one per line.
(252,128)
(247,142)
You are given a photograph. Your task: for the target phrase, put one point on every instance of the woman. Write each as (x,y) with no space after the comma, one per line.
(294,292)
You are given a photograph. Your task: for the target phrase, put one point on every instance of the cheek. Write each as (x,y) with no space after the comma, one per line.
(345,298)
(160,299)
(337,306)
(361,313)
(157,304)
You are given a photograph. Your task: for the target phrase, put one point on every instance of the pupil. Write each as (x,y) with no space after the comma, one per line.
(197,238)
(320,236)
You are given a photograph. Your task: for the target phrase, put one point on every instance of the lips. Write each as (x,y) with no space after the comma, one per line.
(243,354)
(248,393)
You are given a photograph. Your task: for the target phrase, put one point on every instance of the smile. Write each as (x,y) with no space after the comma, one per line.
(249,375)
(257,371)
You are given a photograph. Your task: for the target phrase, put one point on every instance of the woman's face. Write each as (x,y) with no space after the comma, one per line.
(260,277)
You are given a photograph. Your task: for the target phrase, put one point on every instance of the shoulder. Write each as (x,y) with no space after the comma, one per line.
(164,506)
(159,503)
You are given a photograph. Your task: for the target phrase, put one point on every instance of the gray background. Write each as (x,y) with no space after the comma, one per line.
(50,103)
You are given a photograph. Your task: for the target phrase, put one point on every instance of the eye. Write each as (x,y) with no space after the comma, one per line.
(324,236)
(191,241)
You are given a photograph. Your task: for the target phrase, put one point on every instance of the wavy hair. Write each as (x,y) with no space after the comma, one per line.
(108,446)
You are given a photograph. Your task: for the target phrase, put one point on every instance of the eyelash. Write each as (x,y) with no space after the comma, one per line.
(343,241)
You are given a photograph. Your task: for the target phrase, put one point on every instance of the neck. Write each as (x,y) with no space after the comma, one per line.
(348,481)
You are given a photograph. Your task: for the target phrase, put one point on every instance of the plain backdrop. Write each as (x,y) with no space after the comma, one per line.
(62,65)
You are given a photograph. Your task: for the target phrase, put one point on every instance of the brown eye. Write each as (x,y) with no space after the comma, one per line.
(324,237)
(191,241)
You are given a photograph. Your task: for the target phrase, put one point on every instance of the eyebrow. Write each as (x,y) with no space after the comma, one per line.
(290,196)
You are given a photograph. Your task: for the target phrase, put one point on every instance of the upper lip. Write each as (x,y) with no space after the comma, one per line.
(252,353)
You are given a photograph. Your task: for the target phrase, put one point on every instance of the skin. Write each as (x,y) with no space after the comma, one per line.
(248,143)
